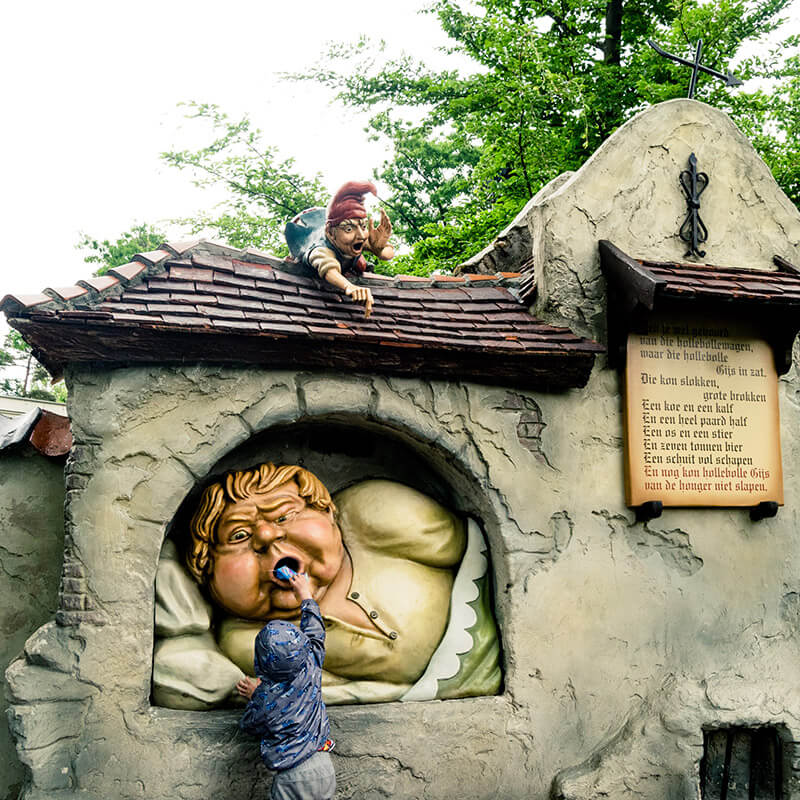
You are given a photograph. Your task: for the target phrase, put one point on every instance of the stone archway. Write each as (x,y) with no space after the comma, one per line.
(413,520)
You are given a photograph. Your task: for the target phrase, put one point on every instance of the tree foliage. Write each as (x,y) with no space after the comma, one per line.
(261,191)
(551,80)
(771,118)
(141,238)
(23,375)
(546,82)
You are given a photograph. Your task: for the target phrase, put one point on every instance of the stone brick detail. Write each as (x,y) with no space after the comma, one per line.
(72,602)
(75,604)
(68,619)
(73,569)
(73,585)
(75,481)
(530,424)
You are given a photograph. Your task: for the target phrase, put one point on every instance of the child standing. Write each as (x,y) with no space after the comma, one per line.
(285,706)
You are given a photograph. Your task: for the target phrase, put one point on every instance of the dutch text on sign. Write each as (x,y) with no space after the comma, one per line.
(702,420)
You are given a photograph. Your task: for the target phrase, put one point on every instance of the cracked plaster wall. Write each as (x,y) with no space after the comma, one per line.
(32,522)
(620,641)
(629,192)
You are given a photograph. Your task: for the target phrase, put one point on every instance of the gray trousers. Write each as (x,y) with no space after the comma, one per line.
(312,779)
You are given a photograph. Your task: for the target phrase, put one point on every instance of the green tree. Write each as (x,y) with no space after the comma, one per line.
(548,81)
(141,238)
(551,80)
(771,118)
(28,377)
(262,191)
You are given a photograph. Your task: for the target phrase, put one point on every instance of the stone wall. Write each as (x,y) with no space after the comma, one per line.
(621,641)
(629,193)
(32,522)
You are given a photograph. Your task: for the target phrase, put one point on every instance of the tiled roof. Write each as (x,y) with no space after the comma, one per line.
(704,282)
(726,283)
(768,297)
(207,302)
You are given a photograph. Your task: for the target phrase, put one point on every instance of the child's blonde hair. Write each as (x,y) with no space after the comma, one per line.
(235,487)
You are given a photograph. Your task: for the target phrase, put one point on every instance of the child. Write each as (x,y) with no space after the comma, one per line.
(285,706)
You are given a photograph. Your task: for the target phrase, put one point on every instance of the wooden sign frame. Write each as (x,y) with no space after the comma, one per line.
(702,421)
(727,318)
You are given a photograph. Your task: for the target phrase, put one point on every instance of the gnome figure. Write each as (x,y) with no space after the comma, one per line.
(333,245)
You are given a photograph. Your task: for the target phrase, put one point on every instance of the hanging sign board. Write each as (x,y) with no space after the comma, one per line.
(701,415)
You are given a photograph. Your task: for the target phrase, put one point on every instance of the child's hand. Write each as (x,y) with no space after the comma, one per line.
(301,586)
(246,686)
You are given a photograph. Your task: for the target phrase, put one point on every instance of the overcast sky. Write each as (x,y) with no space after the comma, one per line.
(89,95)
(90,92)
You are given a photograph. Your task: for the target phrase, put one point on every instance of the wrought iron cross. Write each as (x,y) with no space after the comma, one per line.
(729,78)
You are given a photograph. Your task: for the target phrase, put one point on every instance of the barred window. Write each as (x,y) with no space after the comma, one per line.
(742,764)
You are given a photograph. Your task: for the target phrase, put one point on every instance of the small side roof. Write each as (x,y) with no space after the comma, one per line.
(768,297)
(45,431)
(206,302)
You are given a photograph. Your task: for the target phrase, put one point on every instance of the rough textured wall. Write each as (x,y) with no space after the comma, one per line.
(512,247)
(629,192)
(621,640)
(32,525)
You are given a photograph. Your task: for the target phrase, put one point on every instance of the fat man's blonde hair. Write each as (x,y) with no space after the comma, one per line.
(235,487)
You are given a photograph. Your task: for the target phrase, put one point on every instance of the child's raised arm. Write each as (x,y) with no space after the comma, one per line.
(301,586)
(310,617)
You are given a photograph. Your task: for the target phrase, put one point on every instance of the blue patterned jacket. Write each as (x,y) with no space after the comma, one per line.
(286,709)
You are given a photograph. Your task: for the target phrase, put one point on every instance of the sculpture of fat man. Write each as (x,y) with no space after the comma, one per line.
(382,568)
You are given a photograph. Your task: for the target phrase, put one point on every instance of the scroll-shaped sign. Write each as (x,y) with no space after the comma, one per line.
(701,415)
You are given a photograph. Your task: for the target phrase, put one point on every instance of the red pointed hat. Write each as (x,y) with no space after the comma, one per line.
(348,202)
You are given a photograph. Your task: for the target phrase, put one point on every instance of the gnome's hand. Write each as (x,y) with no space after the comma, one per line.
(361,294)
(379,237)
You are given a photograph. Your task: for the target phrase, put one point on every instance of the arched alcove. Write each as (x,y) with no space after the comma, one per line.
(342,449)
(345,451)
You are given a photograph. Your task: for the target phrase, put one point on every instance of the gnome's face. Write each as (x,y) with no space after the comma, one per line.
(350,236)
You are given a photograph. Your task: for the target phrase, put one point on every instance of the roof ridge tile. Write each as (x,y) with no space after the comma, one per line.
(179,248)
(414,280)
(447,280)
(256,256)
(66,294)
(19,302)
(99,283)
(99,288)
(152,257)
(368,277)
(127,273)
(206,246)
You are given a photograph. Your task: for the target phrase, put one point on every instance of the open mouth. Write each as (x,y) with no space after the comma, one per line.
(358,247)
(292,563)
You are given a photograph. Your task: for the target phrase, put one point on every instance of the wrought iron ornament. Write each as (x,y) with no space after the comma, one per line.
(693,231)
(729,78)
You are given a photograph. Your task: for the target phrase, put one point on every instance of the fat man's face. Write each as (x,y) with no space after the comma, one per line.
(350,236)
(257,535)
